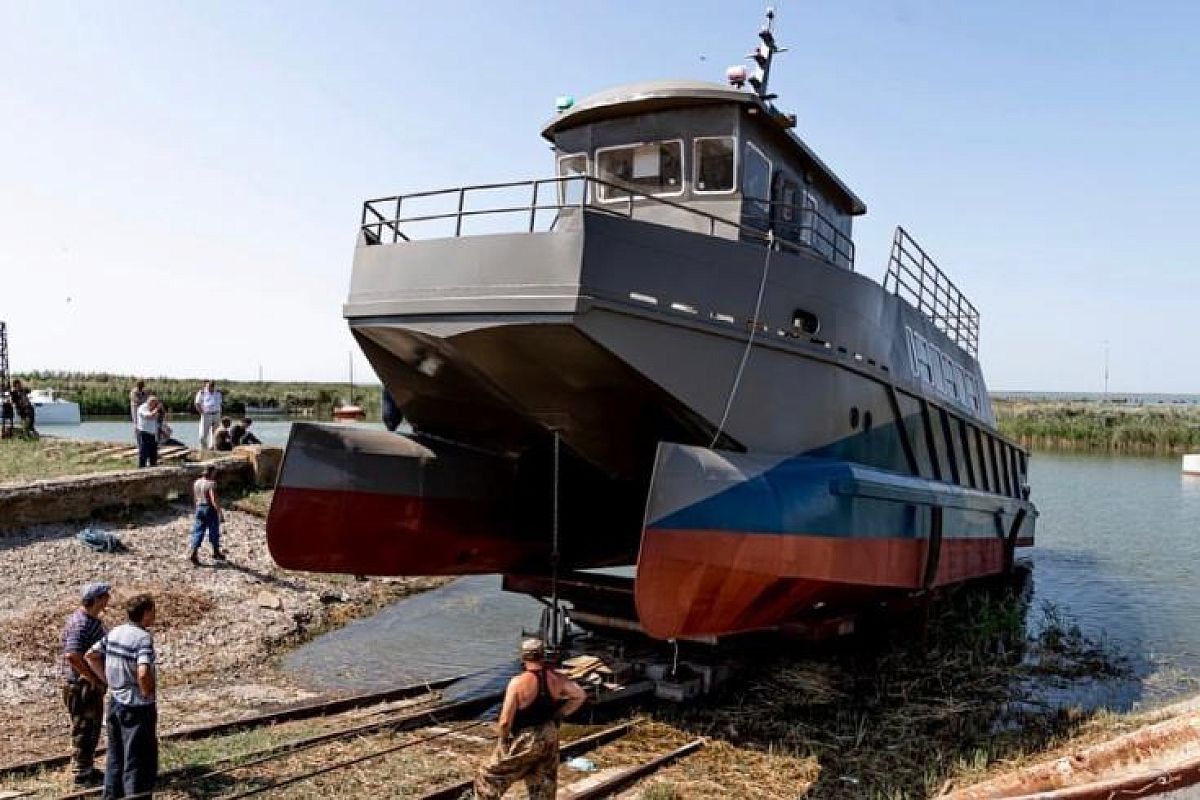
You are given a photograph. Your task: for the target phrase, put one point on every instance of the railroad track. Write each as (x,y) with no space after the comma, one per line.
(267,770)
(439,714)
(301,712)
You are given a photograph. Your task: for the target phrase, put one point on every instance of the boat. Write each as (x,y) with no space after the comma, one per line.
(350,411)
(265,411)
(663,359)
(50,409)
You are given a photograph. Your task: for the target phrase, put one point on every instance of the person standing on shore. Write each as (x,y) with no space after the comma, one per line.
(208,517)
(208,406)
(147,429)
(527,749)
(20,400)
(137,396)
(126,658)
(83,687)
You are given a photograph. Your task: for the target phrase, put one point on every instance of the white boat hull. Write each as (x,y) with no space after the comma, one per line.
(60,412)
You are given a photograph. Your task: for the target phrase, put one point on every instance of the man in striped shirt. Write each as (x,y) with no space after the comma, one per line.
(126,656)
(83,687)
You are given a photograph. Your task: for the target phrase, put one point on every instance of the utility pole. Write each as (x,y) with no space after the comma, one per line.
(1106,370)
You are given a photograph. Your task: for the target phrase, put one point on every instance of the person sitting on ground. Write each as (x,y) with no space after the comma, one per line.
(247,436)
(534,704)
(208,516)
(125,656)
(237,432)
(221,438)
(147,426)
(83,688)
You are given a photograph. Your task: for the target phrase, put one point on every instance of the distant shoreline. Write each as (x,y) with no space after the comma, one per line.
(103,394)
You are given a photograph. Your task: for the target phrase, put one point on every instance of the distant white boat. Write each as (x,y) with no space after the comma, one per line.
(265,411)
(1191,464)
(49,409)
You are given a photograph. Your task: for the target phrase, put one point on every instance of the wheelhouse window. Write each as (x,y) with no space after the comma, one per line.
(655,168)
(572,166)
(756,179)
(713,160)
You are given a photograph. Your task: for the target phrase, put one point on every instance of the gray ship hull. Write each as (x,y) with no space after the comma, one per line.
(620,370)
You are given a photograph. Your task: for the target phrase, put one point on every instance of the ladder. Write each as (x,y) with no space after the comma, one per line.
(6,406)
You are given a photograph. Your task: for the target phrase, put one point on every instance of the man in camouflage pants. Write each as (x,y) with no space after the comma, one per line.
(83,688)
(534,704)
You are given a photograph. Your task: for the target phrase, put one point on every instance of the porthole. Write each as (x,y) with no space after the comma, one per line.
(867,421)
(853,416)
(805,321)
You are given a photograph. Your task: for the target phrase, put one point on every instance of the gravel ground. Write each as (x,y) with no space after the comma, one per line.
(220,626)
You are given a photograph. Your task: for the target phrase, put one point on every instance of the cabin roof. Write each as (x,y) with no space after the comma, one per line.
(638,98)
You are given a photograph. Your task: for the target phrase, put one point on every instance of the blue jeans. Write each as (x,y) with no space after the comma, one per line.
(207,521)
(147,450)
(132,764)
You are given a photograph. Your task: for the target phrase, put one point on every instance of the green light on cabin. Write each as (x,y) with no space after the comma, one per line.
(563,102)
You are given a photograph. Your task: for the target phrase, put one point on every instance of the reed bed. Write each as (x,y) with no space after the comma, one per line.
(1118,427)
(893,714)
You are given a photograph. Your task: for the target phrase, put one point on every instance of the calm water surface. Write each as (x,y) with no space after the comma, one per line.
(1118,552)
(185,429)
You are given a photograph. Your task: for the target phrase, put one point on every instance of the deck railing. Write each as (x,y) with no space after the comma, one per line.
(538,206)
(913,276)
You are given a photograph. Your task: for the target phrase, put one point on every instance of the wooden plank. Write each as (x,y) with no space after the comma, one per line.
(565,751)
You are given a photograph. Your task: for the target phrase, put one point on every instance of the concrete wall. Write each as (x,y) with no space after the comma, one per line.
(78,497)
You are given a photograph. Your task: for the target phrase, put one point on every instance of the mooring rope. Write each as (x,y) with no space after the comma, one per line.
(737,378)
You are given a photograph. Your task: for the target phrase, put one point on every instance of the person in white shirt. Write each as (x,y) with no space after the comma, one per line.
(147,431)
(208,406)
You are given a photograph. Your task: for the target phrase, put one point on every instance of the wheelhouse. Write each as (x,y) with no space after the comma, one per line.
(672,148)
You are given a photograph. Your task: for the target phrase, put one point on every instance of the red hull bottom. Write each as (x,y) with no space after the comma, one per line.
(700,583)
(364,533)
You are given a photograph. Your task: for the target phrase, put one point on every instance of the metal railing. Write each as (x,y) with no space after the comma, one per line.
(913,276)
(384,219)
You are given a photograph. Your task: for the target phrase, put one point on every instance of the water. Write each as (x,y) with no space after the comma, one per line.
(1118,552)
(466,626)
(185,429)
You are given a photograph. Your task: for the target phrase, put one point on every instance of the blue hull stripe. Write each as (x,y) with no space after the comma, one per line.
(698,489)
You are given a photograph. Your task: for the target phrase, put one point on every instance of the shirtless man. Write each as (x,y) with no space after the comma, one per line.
(534,704)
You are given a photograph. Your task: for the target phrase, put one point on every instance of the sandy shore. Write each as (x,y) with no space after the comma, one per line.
(221,627)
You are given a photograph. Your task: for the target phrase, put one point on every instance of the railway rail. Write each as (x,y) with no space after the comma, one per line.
(439,714)
(295,713)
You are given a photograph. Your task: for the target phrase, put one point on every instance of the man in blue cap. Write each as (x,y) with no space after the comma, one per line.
(83,687)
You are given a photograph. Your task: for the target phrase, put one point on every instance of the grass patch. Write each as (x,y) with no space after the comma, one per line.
(35,636)
(256,502)
(35,459)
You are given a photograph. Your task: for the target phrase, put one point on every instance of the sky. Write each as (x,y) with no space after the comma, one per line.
(180,182)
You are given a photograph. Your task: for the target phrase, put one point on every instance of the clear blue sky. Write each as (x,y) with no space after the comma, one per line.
(180,181)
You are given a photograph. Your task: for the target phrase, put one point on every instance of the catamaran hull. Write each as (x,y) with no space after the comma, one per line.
(582,388)
(736,542)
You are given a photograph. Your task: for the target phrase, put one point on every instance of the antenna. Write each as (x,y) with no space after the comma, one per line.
(763,56)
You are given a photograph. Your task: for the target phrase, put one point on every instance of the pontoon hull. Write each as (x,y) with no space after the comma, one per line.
(508,344)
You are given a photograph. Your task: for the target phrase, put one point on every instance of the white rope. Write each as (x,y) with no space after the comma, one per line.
(737,378)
